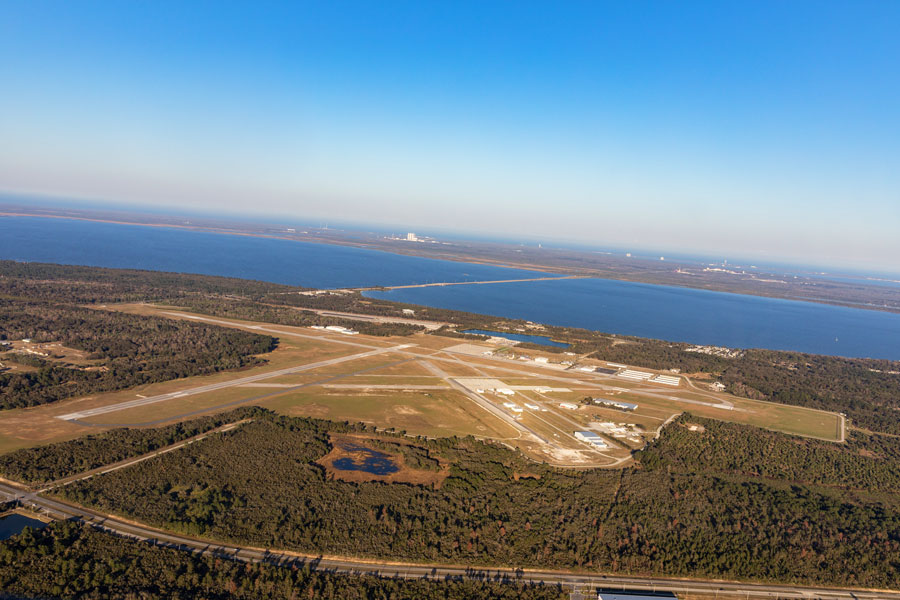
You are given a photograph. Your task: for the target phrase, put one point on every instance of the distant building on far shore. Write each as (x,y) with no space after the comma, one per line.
(411,237)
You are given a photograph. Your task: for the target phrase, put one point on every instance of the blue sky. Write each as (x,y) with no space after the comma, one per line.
(746,129)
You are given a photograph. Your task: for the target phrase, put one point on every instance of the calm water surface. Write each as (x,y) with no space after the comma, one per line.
(543,340)
(679,314)
(14,523)
(187,251)
(371,461)
(654,311)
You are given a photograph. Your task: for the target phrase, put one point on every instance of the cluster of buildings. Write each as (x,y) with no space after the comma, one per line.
(504,391)
(716,351)
(512,406)
(619,430)
(591,438)
(412,237)
(666,380)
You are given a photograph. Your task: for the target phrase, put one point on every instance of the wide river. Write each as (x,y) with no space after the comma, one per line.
(655,311)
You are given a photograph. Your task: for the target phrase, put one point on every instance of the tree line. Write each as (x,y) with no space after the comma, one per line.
(96,285)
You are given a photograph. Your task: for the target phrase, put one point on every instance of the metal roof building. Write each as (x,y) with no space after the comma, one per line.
(615,404)
(591,438)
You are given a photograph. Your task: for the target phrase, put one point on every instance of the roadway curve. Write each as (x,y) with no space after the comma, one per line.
(63,510)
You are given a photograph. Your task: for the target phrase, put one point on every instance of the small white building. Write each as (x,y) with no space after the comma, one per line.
(568,406)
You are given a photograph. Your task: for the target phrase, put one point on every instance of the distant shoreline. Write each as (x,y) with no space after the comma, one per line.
(861,296)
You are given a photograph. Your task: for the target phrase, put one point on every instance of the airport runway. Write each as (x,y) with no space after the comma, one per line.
(75,416)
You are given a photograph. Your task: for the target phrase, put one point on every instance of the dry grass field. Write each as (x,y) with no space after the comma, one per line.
(417,384)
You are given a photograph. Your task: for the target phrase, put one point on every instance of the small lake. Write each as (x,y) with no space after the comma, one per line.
(367,461)
(14,524)
(543,340)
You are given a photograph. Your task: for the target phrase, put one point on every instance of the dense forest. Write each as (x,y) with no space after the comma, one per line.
(43,464)
(671,514)
(74,562)
(123,350)
(867,463)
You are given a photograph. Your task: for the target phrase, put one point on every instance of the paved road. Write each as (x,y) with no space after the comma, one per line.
(223,384)
(63,510)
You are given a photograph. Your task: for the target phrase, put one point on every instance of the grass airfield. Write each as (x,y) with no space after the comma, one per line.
(421,384)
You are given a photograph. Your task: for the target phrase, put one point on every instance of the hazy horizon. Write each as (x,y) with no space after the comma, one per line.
(638,252)
(765,130)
